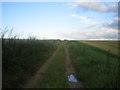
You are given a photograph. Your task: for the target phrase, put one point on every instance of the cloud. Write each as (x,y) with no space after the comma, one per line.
(84,19)
(112,24)
(103,33)
(91,23)
(113,8)
(95,6)
(74,15)
(117,18)
(94,28)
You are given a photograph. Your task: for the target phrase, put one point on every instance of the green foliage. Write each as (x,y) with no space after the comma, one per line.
(22,57)
(54,76)
(98,69)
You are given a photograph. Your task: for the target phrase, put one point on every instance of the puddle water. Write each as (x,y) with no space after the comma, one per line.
(71,78)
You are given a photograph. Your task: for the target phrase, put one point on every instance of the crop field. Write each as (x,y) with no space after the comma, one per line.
(107,45)
(33,63)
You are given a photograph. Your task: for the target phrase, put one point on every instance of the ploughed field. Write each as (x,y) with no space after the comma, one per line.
(41,63)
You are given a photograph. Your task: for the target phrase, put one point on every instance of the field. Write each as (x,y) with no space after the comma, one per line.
(95,67)
(107,45)
(71,44)
(21,58)
(33,63)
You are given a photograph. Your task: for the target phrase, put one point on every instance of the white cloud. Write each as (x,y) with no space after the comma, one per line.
(74,5)
(95,6)
(93,28)
(85,20)
(90,23)
(117,18)
(113,8)
(103,33)
(74,15)
(112,24)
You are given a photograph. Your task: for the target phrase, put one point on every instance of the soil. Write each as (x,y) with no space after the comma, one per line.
(41,70)
(70,70)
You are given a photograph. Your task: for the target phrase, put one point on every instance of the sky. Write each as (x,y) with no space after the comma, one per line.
(62,20)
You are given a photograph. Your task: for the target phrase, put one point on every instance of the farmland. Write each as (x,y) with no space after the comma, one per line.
(59,44)
(95,66)
(107,45)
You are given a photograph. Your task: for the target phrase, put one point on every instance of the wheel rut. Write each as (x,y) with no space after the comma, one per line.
(70,70)
(40,71)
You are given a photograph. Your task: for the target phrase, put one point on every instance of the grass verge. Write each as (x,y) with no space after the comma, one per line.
(54,76)
(96,68)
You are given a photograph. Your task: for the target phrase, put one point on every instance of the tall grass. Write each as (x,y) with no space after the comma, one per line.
(98,69)
(22,57)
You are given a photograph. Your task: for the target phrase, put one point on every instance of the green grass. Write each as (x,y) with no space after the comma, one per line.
(22,57)
(96,68)
(95,65)
(108,45)
(54,76)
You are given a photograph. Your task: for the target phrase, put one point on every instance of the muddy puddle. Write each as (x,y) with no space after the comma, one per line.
(72,78)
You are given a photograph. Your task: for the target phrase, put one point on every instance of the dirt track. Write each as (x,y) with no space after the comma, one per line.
(70,70)
(40,71)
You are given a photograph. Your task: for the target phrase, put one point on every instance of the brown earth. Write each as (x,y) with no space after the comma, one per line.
(70,70)
(40,71)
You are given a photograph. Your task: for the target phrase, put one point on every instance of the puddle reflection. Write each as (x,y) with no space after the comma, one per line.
(71,78)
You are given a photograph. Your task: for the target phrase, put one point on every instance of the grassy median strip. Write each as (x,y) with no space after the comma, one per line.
(54,76)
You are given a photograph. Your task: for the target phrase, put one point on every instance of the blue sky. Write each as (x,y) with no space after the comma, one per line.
(61,20)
